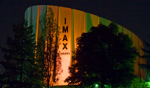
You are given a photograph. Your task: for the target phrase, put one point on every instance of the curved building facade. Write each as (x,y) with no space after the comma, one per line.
(72,24)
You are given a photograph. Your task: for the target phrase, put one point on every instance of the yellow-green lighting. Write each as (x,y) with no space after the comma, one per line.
(147,84)
(96,85)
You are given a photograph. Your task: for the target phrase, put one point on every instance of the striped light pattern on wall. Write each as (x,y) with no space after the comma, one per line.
(72,24)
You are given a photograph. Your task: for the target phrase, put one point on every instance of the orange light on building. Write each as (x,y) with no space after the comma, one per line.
(72,24)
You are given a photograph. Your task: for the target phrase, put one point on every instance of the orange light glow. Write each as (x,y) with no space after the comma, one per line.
(64,22)
(72,23)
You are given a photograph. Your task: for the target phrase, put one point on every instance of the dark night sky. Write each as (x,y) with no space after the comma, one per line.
(131,14)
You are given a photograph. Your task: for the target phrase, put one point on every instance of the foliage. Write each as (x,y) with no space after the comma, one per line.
(19,61)
(51,57)
(138,83)
(103,56)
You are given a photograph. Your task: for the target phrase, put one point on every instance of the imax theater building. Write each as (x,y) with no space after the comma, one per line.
(72,24)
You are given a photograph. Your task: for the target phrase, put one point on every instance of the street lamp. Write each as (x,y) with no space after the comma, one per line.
(96,85)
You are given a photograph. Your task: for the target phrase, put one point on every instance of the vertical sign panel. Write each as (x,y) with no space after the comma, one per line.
(135,44)
(94,20)
(120,28)
(88,22)
(64,22)
(55,11)
(31,17)
(34,13)
(104,21)
(125,31)
(37,25)
(130,34)
(42,14)
(142,61)
(28,14)
(79,24)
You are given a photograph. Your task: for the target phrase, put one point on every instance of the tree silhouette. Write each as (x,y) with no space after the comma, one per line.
(103,56)
(19,61)
(52,60)
(138,83)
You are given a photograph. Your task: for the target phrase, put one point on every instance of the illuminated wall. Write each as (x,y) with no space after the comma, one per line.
(72,24)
